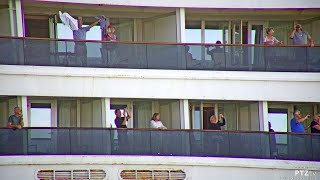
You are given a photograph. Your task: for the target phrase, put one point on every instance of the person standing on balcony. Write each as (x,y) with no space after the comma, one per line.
(110,36)
(315,124)
(296,122)
(215,124)
(80,48)
(16,121)
(15,140)
(269,39)
(300,37)
(121,122)
(109,49)
(273,142)
(156,122)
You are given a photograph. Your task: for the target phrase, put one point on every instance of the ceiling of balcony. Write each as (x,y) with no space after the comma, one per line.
(228,14)
(47,9)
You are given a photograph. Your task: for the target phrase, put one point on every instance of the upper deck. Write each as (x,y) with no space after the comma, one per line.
(173,56)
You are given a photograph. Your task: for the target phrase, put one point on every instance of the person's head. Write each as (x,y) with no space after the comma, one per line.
(298,27)
(111,29)
(117,112)
(269,31)
(297,114)
(17,110)
(213,119)
(317,117)
(269,124)
(218,42)
(156,117)
(80,22)
(187,48)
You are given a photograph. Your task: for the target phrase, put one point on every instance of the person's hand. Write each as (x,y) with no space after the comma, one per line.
(19,126)
(307,116)
(311,44)
(221,116)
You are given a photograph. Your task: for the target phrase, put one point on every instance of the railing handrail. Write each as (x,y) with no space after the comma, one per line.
(156,43)
(153,129)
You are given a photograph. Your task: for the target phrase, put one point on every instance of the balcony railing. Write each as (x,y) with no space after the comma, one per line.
(53,52)
(103,141)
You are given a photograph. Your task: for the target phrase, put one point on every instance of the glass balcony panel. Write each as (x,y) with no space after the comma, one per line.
(159,56)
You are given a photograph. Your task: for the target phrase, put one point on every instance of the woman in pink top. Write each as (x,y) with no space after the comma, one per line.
(270,39)
(110,36)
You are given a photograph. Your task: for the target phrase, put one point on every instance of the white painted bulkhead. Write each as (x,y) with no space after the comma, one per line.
(196,168)
(246,4)
(159,84)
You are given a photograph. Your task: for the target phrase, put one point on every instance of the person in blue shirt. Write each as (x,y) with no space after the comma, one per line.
(296,122)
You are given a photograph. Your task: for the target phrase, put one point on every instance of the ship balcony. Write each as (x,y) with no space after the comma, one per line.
(173,56)
(199,143)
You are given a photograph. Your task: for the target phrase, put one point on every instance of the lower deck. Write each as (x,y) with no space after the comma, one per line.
(153,167)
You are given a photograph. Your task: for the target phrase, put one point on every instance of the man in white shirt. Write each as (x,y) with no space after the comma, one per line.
(156,122)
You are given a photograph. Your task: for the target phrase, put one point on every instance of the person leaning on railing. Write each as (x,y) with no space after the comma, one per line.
(300,37)
(296,122)
(216,124)
(269,39)
(16,121)
(156,122)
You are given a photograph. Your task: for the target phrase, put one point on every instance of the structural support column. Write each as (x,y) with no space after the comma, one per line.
(16,18)
(181,24)
(263,115)
(184,114)
(23,104)
(106,122)
(19,18)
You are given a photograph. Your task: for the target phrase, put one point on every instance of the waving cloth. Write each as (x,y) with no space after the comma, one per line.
(103,24)
(69,20)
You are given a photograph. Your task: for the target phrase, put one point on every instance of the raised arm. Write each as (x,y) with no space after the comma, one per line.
(292,34)
(128,115)
(221,116)
(302,119)
(93,24)
(223,122)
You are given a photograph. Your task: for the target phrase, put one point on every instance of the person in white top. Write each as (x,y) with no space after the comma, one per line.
(269,39)
(156,122)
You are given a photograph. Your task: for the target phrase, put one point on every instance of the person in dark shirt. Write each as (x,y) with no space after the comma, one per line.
(315,124)
(121,122)
(216,52)
(273,142)
(16,121)
(215,124)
